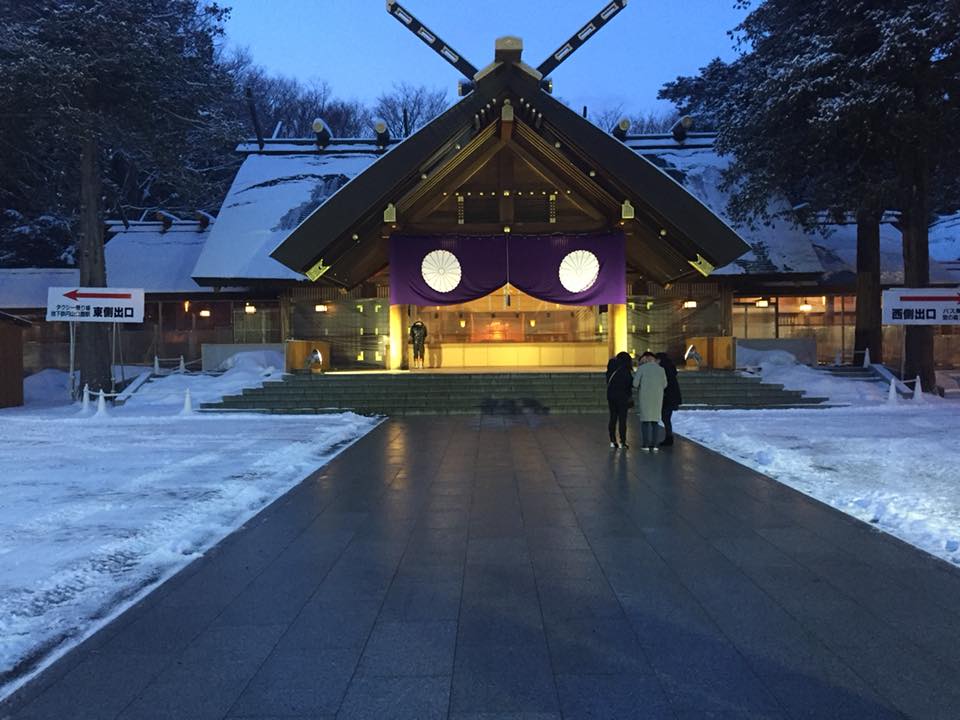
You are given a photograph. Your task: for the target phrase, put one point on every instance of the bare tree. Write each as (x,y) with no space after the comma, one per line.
(648,123)
(409,107)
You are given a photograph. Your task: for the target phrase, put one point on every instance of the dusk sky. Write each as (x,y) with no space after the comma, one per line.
(360,50)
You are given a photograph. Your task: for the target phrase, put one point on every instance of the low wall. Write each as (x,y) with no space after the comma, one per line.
(213,354)
(803,349)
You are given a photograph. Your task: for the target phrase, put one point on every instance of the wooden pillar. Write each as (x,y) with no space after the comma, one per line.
(397,338)
(617,332)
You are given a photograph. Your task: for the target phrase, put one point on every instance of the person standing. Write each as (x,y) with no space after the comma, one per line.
(671,397)
(619,396)
(651,381)
(418,336)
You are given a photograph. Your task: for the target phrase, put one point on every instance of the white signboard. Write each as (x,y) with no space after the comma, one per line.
(921,306)
(109,305)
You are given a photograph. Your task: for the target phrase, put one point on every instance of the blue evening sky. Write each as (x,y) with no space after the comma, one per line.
(360,50)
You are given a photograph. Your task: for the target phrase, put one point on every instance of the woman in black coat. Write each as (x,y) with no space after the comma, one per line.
(671,397)
(619,394)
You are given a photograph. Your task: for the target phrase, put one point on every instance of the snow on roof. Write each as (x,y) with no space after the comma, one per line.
(781,247)
(270,196)
(144,255)
(24,288)
(275,189)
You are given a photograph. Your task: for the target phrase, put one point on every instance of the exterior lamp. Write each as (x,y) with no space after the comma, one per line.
(322,133)
(204,313)
(680,128)
(249,309)
(762,303)
(689,304)
(533,323)
(806,307)
(619,130)
(186,306)
(463,323)
(319,308)
(382,133)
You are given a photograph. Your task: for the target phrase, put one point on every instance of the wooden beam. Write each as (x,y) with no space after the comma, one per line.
(505,185)
(580,225)
(556,180)
(426,204)
(439,177)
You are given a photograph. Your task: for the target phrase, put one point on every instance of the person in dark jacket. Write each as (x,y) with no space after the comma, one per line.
(418,336)
(671,397)
(619,395)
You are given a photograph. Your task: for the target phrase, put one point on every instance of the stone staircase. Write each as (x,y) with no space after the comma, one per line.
(490,393)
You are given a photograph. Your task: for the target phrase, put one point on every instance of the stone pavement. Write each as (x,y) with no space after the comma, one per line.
(507,568)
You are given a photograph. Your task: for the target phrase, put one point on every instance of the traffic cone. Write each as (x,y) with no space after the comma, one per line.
(892,393)
(101,405)
(187,405)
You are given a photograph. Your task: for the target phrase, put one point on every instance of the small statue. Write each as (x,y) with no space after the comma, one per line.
(315,358)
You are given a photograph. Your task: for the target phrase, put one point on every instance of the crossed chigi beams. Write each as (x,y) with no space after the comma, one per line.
(470,72)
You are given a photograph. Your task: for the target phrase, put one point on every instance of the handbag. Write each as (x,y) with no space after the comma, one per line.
(630,402)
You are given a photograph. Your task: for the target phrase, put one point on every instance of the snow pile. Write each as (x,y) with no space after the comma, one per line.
(781,368)
(97,511)
(892,466)
(243,370)
(47,388)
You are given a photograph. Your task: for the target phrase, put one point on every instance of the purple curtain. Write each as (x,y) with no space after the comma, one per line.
(530,263)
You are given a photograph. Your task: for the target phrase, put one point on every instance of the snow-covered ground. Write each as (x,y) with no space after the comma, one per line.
(895,466)
(97,510)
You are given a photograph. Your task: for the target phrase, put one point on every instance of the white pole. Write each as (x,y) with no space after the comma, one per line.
(85,408)
(187,406)
(917,390)
(892,393)
(101,405)
(183,367)
(73,343)
(156,365)
(866,358)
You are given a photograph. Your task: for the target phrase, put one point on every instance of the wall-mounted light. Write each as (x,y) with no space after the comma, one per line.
(204,313)
(689,304)
(533,323)
(806,307)
(762,303)
(463,323)
(249,309)
(626,211)
(320,308)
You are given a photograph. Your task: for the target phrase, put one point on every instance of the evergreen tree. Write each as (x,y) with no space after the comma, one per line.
(128,85)
(842,107)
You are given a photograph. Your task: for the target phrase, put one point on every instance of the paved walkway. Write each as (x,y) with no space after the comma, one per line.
(518,568)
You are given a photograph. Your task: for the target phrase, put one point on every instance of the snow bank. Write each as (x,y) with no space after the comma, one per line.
(97,511)
(243,370)
(781,367)
(893,466)
(46,388)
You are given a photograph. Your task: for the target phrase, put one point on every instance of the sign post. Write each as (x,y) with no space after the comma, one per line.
(93,304)
(921,306)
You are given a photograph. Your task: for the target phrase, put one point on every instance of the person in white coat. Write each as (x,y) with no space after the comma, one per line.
(650,380)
